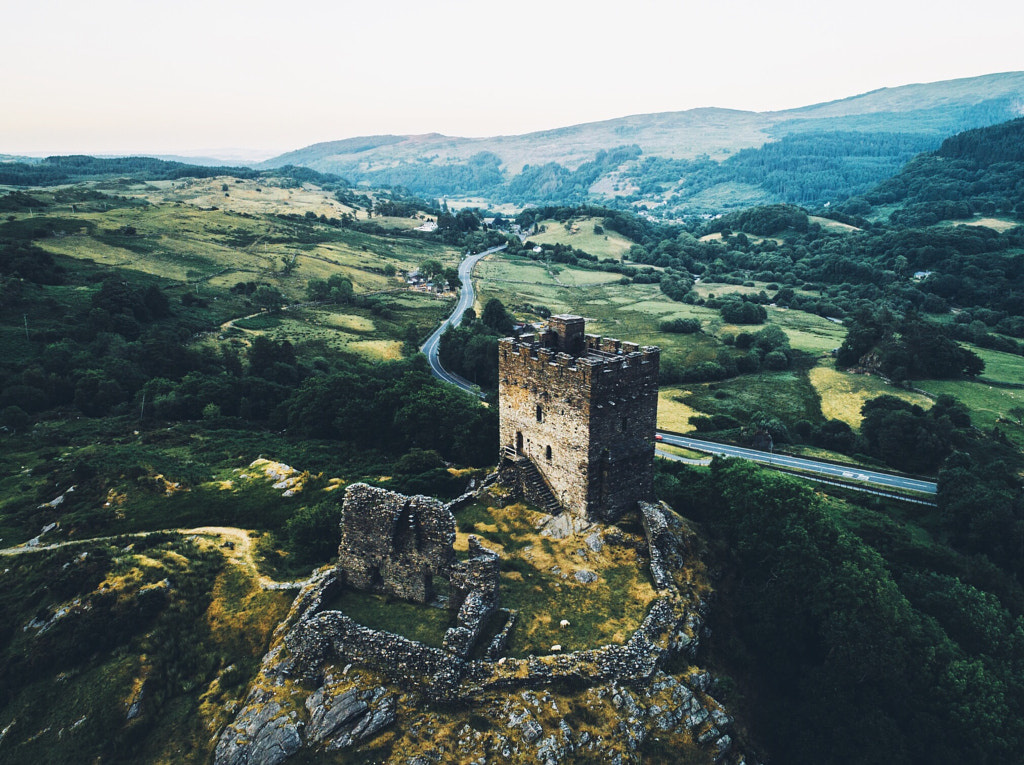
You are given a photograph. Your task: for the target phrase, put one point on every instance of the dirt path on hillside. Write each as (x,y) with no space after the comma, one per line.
(237,546)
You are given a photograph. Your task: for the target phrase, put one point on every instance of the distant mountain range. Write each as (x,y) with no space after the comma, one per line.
(700,160)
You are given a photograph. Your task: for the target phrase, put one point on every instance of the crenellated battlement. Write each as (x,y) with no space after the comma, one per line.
(601,355)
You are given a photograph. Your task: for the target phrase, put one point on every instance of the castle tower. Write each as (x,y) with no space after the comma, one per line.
(583,410)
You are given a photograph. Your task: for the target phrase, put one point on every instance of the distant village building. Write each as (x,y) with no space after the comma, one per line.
(578,415)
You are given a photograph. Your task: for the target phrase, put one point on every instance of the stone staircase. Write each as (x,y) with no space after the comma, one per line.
(535,487)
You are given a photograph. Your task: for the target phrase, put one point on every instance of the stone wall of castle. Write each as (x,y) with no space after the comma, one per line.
(586,421)
(472,597)
(673,625)
(393,544)
(396,545)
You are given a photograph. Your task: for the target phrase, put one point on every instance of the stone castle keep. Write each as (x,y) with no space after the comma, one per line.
(578,415)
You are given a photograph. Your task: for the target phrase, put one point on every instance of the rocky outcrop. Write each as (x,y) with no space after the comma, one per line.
(262,734)
(626,683)
(342,715)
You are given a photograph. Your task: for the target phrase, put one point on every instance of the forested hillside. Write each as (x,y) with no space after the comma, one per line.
(684,163)
(975,172)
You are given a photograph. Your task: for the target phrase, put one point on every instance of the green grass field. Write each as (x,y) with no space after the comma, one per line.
(187,233)
(808,332)
(411,620)
(347,329)
(843,394)
(580,235)
(988,403)
(786,395)
(999,366)
(673,413)
(635,311)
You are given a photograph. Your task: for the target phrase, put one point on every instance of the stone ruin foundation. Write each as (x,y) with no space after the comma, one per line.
(385,538)
(395,545)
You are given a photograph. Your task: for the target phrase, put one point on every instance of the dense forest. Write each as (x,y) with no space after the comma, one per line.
(976,172)
(804,168)
(849,640)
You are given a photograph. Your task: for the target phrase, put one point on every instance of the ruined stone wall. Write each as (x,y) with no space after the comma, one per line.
(473,596)
(394,544)
(268,728)
(673,625)
(587,422)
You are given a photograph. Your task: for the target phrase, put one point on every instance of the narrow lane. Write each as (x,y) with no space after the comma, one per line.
(466,298)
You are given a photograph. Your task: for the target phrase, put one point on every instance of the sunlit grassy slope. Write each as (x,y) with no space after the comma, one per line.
(579,233)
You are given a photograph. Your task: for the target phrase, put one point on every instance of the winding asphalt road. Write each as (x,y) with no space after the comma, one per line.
(838,472)
(466,298)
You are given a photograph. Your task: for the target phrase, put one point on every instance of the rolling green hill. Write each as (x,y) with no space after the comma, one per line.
(850,143)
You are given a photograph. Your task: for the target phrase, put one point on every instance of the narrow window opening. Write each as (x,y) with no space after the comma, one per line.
(547,453)
(540,413)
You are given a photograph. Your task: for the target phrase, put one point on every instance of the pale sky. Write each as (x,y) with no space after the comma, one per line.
(265,76)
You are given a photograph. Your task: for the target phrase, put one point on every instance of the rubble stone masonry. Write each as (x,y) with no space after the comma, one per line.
(584,410)
(394,544)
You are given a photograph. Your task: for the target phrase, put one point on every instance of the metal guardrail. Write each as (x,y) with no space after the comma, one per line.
(855,487)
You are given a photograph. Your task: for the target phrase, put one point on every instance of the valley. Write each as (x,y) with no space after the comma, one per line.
(196,368)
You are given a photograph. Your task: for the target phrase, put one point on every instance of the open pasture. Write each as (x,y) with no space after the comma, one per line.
(347,329)
(189,242)
(787,395)
(999,366)
(808,332)
(843,394)
(988,403)
(580,234)
(831,225)
(673,413)
(252,197)
(996,224)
